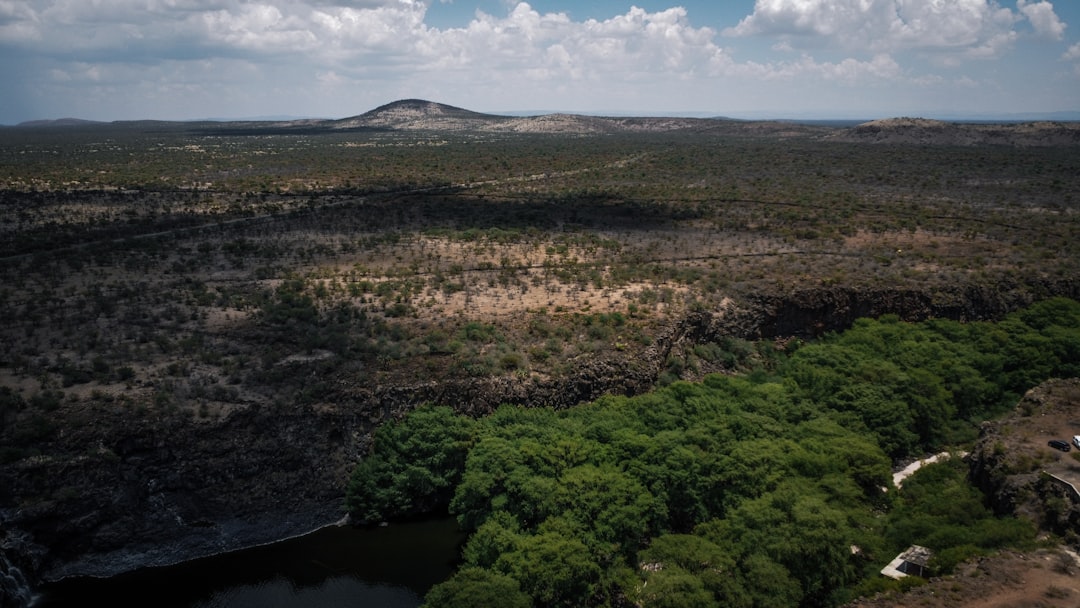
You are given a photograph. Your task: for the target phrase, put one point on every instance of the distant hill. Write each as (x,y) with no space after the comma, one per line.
(923,131)
(59,122)
(405,111)
(422,115)
(419,115)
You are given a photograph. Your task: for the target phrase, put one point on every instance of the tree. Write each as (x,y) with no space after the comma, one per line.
(416,464)
(471,587)
(614,509)
(673,558)
(498,535)
(553,568)
(673,587)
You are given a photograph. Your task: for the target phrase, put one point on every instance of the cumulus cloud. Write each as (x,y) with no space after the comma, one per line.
(827,18)
(852,71)
(186,52)
(11,11)
(962,28)
(1043,18)
(200,26)
(1073,53)
(353,37)
(344,43)
(881,68)
(18,22)
(339,32)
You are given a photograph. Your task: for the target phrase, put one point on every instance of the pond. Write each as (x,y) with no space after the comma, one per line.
(391,566)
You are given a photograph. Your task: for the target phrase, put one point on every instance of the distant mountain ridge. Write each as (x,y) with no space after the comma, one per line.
(419,115)
(924,131)
(423,115)
(59,122)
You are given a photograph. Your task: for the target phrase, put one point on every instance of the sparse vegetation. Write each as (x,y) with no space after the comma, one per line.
(195,244)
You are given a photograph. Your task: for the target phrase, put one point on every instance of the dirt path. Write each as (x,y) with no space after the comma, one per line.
(899,476)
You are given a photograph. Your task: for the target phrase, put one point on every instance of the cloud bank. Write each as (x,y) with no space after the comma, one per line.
(336,56)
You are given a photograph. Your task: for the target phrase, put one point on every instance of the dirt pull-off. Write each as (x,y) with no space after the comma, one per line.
(1044,579)
(1022,475)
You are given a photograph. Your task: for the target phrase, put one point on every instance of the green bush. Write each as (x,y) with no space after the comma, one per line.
(472,587)
(416,464)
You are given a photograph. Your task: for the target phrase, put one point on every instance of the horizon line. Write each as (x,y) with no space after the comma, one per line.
(748,115)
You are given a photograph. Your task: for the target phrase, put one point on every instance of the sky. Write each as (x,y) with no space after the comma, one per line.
(224,59)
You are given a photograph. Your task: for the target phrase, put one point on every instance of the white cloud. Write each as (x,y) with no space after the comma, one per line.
(1042,18)
(812,17)
(350,30)
(343,43)
(329,78)
(334,56)
(18,22)
(14,11)
(259,27)
(851,71)
(882,68)
(1072,53)
(550,45)
(358,38)
(964,28)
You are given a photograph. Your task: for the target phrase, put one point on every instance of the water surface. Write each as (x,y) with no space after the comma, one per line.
(392,566)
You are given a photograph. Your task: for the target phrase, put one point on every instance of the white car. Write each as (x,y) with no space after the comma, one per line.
(1076,441)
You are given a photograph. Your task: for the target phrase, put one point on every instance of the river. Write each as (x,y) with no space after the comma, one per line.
(391,566)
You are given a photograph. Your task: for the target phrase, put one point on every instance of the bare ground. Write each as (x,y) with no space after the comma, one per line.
(1048,578)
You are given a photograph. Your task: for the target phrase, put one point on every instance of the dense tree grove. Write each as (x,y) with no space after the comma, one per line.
(766,489)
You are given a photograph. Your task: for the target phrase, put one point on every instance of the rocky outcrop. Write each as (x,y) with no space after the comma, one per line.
(18,556)
(1021,475)
(811,312)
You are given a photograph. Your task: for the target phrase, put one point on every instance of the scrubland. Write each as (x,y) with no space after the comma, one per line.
(192,267)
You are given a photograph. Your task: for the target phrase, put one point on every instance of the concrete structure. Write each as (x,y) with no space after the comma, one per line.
(913,562)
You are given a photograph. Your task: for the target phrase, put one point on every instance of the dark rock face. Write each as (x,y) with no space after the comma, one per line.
(145,492)
(129,489)
(18,557)
(809,313)
(1012,464)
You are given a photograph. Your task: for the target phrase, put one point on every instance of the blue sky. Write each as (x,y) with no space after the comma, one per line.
(187,59)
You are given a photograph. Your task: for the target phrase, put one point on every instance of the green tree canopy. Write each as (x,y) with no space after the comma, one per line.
(772,489)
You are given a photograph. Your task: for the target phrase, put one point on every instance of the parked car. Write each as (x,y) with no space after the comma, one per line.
(1058,444)
(1076,441)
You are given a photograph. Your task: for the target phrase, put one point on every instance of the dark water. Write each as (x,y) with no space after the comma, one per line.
(390,567)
